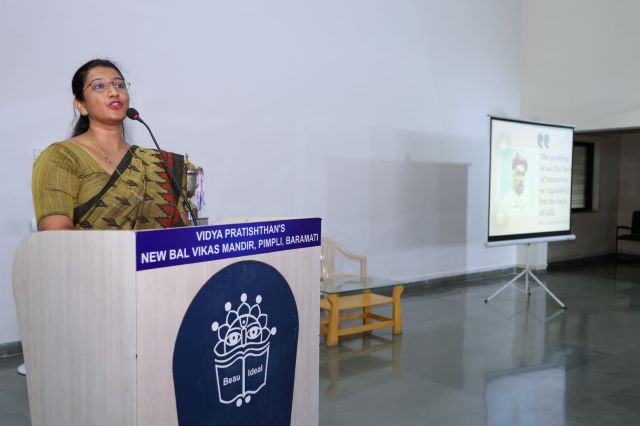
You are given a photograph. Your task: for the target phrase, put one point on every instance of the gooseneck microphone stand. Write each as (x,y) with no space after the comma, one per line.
(133,114)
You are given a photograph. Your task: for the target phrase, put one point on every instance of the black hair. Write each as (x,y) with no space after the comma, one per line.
(78,83)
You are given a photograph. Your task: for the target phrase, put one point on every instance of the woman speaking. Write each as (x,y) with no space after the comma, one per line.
(96,180)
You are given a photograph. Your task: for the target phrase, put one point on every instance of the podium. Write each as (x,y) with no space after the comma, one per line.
(204,325)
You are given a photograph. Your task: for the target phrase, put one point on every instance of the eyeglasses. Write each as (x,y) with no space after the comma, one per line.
(100,85)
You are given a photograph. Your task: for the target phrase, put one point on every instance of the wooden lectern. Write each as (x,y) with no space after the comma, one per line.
(105,318)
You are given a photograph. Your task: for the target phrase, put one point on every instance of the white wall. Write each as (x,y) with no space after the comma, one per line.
(370,114)
(580,64)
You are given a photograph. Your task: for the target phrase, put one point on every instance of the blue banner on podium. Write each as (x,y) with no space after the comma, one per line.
(180,246)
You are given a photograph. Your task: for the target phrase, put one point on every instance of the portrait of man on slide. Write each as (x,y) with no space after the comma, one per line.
(517,198)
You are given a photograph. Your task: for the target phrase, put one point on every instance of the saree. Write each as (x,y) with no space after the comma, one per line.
(138,195)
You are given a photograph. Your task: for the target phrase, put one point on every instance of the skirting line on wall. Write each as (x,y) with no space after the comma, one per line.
(10,349)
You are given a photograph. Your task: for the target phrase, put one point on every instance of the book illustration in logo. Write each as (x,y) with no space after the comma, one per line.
(241,354)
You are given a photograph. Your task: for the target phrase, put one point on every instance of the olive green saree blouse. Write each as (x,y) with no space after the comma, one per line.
(138,195)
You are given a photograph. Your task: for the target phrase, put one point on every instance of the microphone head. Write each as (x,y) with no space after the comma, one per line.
(133,114)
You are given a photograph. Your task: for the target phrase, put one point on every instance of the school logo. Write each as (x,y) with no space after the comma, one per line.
(235,354)
(242,351)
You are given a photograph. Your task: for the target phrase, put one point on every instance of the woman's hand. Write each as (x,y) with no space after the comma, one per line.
(56,222)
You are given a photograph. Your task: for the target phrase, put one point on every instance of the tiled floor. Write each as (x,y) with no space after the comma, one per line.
(14,407)
(463,362)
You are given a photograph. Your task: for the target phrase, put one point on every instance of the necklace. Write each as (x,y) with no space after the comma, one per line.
(133,213)
(140,196)
(129,183)
(102,153)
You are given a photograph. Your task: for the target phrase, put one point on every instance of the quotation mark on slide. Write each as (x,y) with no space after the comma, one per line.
(543,141)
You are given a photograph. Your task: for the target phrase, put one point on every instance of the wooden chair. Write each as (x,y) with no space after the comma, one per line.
(632,232)
(358,298)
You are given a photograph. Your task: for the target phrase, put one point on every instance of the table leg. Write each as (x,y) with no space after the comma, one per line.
(365,313)
(334,320)
(397,309)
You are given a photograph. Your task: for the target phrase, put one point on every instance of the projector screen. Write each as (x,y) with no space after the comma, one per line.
(530,181)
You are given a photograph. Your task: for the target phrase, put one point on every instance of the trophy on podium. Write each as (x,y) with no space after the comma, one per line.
(195,188)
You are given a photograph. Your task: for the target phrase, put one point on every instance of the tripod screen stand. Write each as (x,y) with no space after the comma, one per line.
(526,273)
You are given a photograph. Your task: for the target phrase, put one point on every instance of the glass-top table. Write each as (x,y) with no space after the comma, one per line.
(353,293)
(341,284)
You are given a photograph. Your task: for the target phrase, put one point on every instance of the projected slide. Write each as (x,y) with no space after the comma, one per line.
(530,180)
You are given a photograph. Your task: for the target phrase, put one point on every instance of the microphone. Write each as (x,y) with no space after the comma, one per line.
(133,114)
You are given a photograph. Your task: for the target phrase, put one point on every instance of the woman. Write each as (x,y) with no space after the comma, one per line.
(96,180)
